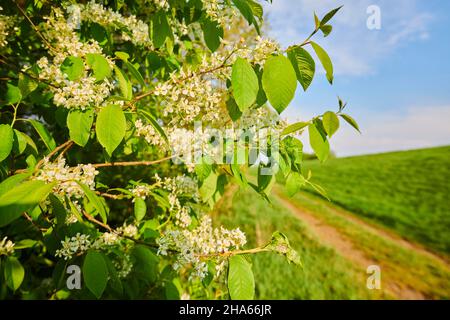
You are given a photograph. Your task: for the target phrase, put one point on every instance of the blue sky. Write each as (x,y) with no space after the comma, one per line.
(396,79)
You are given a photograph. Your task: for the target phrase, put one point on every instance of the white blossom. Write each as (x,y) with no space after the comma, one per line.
(83,92)
(67,177)
(6,25)
(123,266)
(202,241)
(128,230)
(77,244)
(6,247)
(132,29)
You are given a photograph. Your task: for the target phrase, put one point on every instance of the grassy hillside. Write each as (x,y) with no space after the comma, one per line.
(408,192)
(325,275)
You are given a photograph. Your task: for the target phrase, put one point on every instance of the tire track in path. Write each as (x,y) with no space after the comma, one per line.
(332,237)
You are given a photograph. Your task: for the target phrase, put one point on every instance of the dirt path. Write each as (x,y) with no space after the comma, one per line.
(332,237)
(393,237)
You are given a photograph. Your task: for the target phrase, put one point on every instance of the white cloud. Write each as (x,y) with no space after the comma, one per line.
(415,128)
(355,50)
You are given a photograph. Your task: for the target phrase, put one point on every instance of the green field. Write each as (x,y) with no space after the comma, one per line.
(408,192)
(325,274)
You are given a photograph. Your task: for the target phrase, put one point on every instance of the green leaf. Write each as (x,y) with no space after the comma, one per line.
(244,83)
(24,244)
(237,173)
(171,291)
(124,83)
(58,210)
(319,190)
(261,98)
(122,55)
(114,279)
(329,16)
(264,181)
(293,148)
(325,60)
(241,283)
(203,170)
(95,273)
(135,73)
(110,127)
(279,82)
(146,265)
(245,9)
(73,67)
(350,121)
(30,142)
(294,127)
(233,109)
(208,187)
(6,141)
(12,181)
(256,8)
(319,143)
(304,65)
(161,29)
(79,123)
(27,84)
(294,182)
(316,21)
(13,272)
(330,123)
(279,243)
(13,94)
(21,198)
(44,134)
(99,65)
(20,142)
(95,201)
(326,29)
(212,33)
(140,208)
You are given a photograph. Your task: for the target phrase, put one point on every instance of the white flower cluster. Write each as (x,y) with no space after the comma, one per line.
(129,230)
(6,25)
(81,93)
(132,28)
(106,239)
(149,133)
(262,50)
(67,177)
(77,244)
(6,247)
(182,185)
(162,4)
(262,117)
(218,11)
(71,218)
(200,242)
(179,186)
(185,144)
(141,191)
(188,96)
(123,266)
(80,243)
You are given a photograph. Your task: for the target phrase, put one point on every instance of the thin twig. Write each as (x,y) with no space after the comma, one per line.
(107,227)
(66,144)
(111,196)
(34,26)
(131,163)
